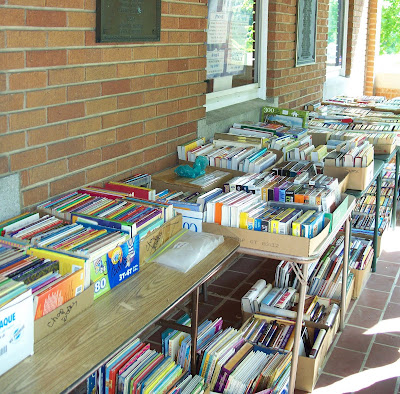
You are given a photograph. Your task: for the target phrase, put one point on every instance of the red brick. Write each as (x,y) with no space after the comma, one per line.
(66,76)
(167,108)
(116,150)
(170,51)
(48,134)
(167,135)
(155,153)
(128,132)
(154,96)
(41,98)
(155,124)
(99,140)
(11,142)
(46,58)
(81,19)
(140,53)
(178,65)
(11,60)
(100,72)
(84,160)
(116,119)
(80,92)
(11,102)
(101,172)
(26,39)
(84,56)
(46,18)
(13,16)
(177,92)
(115,87)
(132,161)
(3,165)
(67,183)
(156,67)
(35,195)
(65,148)
(130,100)
(28,158)
(84,126)
(66,111)
(116,54)
(25,120)
(66,3)
(130,70)
(47,171)
(101,105)
(66,38)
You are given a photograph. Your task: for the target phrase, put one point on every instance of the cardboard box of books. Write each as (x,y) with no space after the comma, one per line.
(271,242)
(16,331)
(213,178)
(63,314)
(156,238)
(106,267)
(359,178)
(308,367)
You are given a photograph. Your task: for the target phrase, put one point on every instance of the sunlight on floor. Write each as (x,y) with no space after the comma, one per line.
(361,380)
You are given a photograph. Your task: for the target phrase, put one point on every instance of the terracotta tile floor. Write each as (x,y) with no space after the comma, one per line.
(365,357)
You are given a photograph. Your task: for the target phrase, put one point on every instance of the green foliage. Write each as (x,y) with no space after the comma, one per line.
(333,21)
(390,27)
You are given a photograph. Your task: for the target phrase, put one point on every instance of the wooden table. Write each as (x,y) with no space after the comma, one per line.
(65,358)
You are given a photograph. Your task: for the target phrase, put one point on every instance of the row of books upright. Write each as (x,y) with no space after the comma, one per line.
(229,360)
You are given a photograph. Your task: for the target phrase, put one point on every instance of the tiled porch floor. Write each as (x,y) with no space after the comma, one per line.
(365,357)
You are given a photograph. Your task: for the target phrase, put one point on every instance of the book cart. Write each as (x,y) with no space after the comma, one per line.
(379,163)
(65,358)
(304,260)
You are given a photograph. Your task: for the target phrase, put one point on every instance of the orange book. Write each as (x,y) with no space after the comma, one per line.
(58,293)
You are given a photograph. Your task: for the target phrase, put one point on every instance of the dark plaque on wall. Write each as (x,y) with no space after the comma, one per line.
(306,32)
(128,20)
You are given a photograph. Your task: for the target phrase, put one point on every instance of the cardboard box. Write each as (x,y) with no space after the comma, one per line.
(319,138)
(269,242)
(16,331)
(63,314)
(106,271)
(156,238)
(167,179)
(279,159)
(359,178)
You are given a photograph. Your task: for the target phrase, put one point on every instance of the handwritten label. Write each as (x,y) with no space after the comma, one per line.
(63,314)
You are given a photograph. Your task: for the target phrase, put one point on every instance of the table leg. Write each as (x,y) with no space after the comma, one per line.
(396,188)
(297,333)
(347,240)
(377,209)
(194,326)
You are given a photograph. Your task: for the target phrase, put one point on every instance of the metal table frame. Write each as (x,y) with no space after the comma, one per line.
(303,280)
(379,163)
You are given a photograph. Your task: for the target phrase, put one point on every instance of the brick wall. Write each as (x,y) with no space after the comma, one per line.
(74,112)
(294,86)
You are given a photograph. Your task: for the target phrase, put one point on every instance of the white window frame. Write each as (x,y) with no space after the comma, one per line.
(224,98)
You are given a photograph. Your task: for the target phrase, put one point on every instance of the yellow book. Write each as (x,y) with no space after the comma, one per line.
(296,225)
(278,218)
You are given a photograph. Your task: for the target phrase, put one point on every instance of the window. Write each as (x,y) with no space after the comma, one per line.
(337,30)
(235,42)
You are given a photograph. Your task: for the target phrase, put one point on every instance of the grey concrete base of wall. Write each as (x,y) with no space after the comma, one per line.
(9,197)
(220,120)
